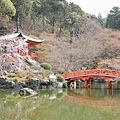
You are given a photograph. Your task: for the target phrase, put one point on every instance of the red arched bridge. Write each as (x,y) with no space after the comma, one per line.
(87,76)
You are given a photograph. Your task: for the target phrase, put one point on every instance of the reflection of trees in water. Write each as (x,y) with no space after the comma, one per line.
(53,93)
(16,108)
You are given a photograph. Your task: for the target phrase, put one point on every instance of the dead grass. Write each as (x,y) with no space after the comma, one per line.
(24,75)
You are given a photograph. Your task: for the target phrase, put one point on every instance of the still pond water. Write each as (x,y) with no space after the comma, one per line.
(61,104)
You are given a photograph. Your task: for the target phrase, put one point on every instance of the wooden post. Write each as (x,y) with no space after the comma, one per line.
(85,83)
(75,84)
(109,84)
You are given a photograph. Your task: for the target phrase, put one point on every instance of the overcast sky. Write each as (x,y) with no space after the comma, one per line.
(97,6)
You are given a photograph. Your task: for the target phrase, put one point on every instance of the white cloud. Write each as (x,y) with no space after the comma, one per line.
(97,6)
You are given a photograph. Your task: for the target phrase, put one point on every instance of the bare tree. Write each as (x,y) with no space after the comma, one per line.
(84,49)
(9,53)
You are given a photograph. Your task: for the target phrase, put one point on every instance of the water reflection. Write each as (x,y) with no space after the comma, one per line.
(94,97)
(15,107)
(52,94)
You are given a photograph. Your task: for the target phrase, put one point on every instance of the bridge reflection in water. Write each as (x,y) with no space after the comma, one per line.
(94,97)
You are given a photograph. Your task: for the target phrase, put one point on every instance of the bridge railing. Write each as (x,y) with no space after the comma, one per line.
(93,72)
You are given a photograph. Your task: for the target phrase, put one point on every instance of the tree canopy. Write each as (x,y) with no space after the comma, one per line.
(54,15)
(113,19)
(7,8)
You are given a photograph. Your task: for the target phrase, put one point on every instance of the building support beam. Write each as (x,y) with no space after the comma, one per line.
(87,83)
(109,85)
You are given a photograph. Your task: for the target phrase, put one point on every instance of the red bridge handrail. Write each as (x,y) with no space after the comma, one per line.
(92,73)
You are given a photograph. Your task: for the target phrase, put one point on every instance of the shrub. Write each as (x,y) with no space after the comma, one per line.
(61,70)
(46,66)
(60,78)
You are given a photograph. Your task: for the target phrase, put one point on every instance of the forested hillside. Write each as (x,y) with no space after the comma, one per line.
(74,39)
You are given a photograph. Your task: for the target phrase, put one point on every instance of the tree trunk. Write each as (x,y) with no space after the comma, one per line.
(53,24)
(43,23)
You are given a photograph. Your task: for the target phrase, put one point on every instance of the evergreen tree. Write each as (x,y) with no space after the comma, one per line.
(7,8)
(101,20)
(113,19)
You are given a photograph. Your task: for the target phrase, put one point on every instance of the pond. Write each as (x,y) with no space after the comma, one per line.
(61,104)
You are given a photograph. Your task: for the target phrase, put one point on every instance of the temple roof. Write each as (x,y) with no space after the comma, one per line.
(14,35)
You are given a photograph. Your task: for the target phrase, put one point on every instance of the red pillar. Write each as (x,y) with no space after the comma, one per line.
(87,83)
(109,84)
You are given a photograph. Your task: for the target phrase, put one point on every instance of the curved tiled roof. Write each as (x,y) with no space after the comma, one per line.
(7,37)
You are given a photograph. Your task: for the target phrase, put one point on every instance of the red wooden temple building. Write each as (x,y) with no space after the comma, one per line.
(19,43)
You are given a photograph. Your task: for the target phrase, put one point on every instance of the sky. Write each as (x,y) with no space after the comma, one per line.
(97,6)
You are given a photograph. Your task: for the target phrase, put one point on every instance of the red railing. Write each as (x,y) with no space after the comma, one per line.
(94,73)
